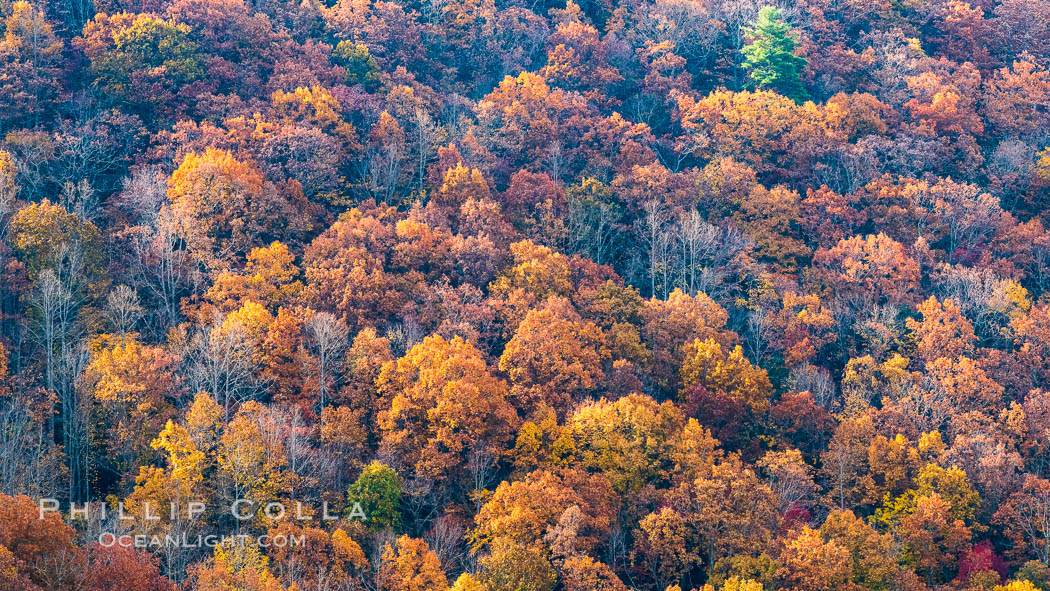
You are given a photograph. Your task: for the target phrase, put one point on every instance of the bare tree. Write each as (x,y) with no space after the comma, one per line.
(143,194)
(790,478)
(404,335)
(813,379)
(162,269)
(30,462)
(382,172)
(75,414)
(223,363)
(695,239)
(591,229)
(483,468)
(123,310)
(380,540)
(446,538)
(705,253)
(972,216)
(653,229)
(80,199)
(52,305)
(56,333)
(303,459)
(428,135)
(982,296)
(928,404)
(327,338)
(758,334)
(555,160)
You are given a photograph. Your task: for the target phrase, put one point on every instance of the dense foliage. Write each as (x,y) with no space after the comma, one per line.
(657,295)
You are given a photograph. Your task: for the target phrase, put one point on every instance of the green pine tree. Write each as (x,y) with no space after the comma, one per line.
(770,58)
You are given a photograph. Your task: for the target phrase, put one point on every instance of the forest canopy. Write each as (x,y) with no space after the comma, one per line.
(508,295)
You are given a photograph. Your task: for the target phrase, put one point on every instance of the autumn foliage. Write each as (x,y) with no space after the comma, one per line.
(659,295)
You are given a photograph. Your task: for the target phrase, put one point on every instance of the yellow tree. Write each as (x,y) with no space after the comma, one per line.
(251,461)
(893,463)
(163,496)
(668,325)
(204,423)
(315,106)
(514,566)
(730,584)
(694,452)
(667,546)
(873,564)
(730,373)
(441,402)
(952,485)
(523,512)
(814,564)
(136,386)
(943,330)
(235,566)
(537,273)
(461,184)
(583,573)
(45,235)
(269,277)
(324,560)
(468,582)
(627,440)
(31,54)
(225,206)
(931,539)
(731,511)
(410,565)
(8,188)
(844,464)
(554,358)
(1023,585)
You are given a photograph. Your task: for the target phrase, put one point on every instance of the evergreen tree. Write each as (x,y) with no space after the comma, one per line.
(378,490)
(770,58)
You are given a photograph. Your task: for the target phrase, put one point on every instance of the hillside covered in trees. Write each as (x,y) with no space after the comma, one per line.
(648,295)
